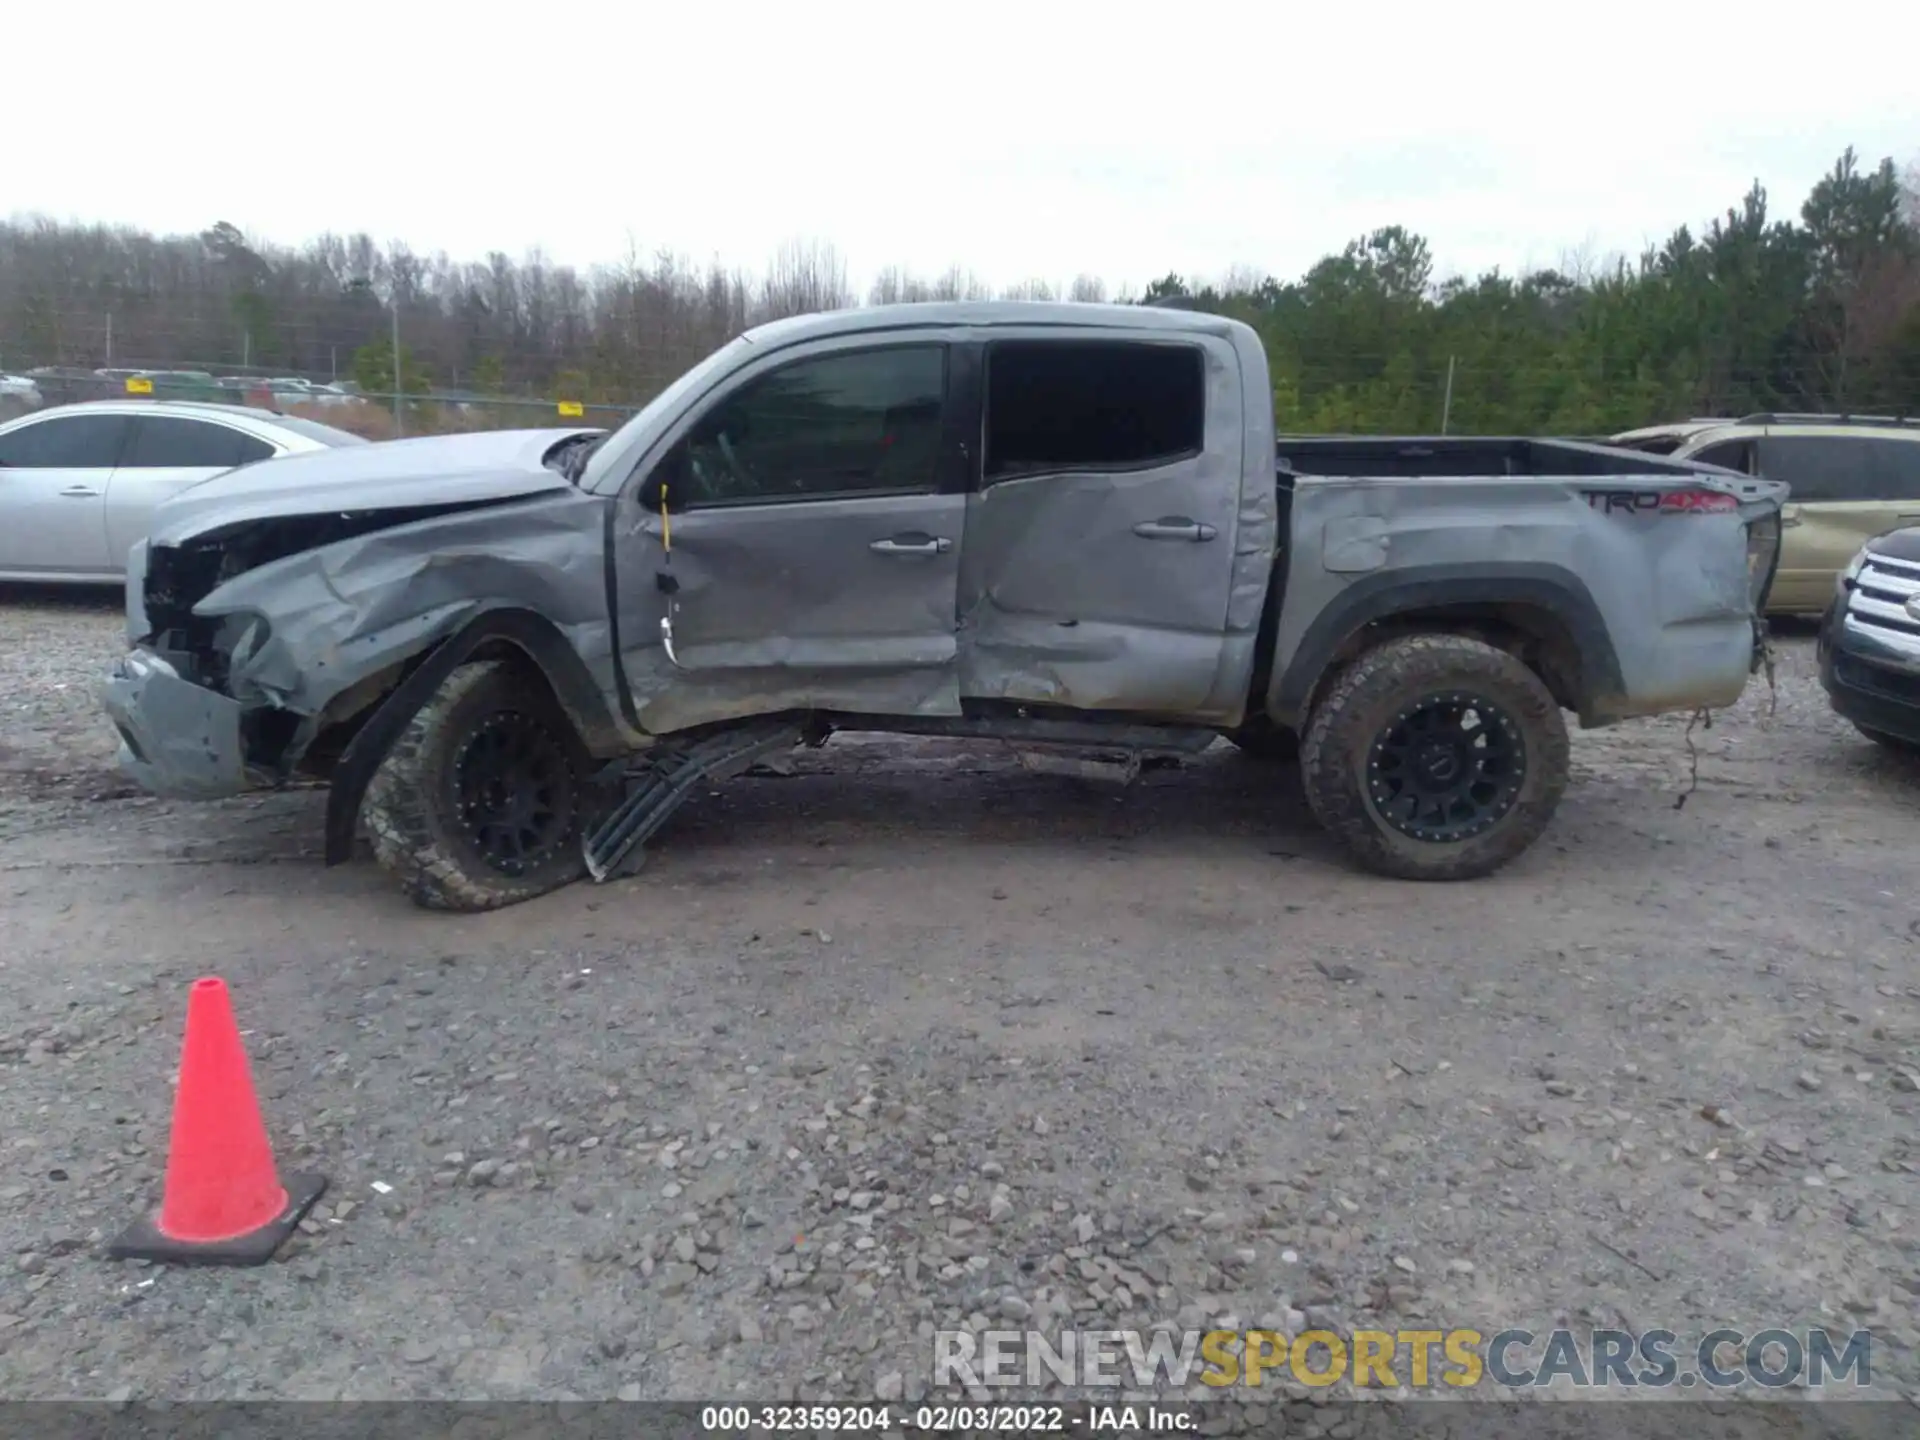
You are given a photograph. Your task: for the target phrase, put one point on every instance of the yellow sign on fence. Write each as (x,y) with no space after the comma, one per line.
(139,385)
(572,409)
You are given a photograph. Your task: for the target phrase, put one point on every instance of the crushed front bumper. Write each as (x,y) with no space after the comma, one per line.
(177,739)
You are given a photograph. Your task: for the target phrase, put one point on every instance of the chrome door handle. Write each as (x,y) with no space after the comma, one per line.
(79,492)
(1174,527)
(912,545)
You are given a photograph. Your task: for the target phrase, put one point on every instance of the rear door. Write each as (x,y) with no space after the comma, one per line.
(812,540)
(1100,542)
(54,475)
(1846,490)
(165,454)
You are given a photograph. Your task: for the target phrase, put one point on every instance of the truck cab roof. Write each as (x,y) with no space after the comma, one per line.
(986,313)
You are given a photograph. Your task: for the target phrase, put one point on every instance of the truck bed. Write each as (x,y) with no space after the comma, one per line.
(1441,457)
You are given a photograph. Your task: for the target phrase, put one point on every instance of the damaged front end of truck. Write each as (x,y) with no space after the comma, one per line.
(275,612)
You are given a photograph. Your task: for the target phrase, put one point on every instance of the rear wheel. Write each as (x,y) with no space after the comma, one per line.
(480,802)
(1899,744)
(1435,757)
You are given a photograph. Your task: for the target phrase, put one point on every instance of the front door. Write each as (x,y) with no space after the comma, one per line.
(1100,545)
(808,554)
(54,474)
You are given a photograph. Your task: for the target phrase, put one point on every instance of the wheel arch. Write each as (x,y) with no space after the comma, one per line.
(1544,615)
(512,634)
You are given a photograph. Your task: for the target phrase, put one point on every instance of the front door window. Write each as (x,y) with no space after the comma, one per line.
(836,426)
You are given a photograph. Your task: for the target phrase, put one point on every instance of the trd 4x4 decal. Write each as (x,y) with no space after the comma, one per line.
(1665,502)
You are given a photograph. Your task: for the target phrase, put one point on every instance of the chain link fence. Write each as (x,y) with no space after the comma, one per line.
(374,415)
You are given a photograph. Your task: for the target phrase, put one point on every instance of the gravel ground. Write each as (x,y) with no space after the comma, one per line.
(913,1039)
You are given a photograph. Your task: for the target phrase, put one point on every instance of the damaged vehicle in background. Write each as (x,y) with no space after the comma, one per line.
(1070,527)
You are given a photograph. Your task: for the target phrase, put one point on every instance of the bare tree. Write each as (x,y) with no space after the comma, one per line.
(806,277)
(1241,280)
(1087,290)
(895,286)
(959,284)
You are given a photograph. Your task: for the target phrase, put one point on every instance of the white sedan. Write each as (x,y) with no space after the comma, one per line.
(78,482)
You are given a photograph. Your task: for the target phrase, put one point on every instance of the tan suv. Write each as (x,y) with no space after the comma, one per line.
(1853,477)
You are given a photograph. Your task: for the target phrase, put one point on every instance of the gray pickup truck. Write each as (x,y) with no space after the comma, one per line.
(1072,527)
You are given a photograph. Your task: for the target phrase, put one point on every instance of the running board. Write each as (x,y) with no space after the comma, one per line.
(663,782)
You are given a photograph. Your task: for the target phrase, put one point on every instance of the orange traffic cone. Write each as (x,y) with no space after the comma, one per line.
(224,1203)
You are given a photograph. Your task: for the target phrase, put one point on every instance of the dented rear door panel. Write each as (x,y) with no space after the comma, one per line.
(1127,591)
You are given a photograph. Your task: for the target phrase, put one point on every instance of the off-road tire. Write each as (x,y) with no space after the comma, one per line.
(1898,744)
(1271,744)
(1362,703)
(412,813)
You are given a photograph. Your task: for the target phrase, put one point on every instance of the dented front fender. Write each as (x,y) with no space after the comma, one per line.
(300,631)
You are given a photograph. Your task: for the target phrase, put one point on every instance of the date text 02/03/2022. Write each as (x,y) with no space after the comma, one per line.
(1020,1419)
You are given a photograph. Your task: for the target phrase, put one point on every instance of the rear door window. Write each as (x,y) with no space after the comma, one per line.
(67,442)
(1843,467)
(1896,467)
(170,442)
(1056,405)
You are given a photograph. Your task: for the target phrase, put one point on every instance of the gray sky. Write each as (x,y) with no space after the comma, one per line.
(1023,141)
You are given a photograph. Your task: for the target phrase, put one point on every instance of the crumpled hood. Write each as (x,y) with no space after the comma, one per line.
(397,474)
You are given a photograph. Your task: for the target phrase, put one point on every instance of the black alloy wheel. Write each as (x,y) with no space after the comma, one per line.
(1435,757)
(1447,767)
(514,782)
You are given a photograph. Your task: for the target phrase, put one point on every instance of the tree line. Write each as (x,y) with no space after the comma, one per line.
(1751,311)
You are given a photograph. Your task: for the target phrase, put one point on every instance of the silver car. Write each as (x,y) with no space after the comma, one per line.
(79,482)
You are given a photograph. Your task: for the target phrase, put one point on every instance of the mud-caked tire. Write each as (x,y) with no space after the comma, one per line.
(481,801)
(1435,757)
